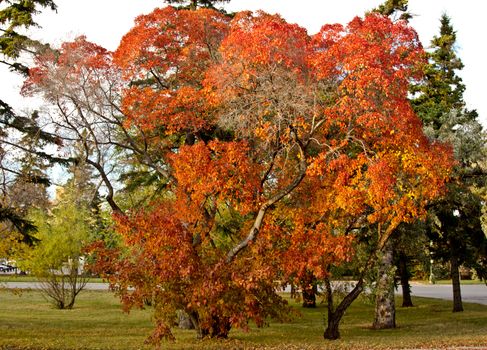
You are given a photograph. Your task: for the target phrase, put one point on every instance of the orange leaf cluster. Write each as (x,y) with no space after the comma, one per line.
(287,145)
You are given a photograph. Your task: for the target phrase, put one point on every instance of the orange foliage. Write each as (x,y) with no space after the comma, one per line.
(319,141)
(220,172)
(168,52)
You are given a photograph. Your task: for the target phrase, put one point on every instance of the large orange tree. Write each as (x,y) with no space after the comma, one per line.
(275,149)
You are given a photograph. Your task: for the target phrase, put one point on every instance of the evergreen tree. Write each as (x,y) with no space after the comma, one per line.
(392,7)
(455,227)
(442,91)
(15,17)
(194,4)
(29,189)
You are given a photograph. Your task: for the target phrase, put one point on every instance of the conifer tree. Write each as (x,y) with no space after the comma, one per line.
(15,18)
(194,4)
(392,7)
(455,227)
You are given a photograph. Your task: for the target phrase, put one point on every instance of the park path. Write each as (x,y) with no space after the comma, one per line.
(35,285)
(471,293)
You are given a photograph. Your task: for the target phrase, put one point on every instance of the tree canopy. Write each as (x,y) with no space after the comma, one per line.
(272,151)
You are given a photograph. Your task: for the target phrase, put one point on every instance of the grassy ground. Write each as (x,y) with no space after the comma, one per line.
(28,322)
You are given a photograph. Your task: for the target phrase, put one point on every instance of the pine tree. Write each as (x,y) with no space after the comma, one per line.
(194,4)
(29,189)
(455,227)
(392,7)
(15,18)
(442,91)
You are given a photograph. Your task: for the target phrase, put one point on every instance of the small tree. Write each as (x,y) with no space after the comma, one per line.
(57,257)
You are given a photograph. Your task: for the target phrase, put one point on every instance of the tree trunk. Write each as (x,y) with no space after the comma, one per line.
(218,327)
(332,331)
(309,290)
(455,279)
(293,291)
(406,288)
(385,308)
(184,320)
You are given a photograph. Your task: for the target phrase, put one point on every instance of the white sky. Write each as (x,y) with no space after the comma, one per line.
(105,22)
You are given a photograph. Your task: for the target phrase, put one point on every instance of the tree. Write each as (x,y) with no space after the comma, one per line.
(385,304)
(63,233)
(391,7)
(368,105)
(16,16)
(56,259)
(29,188)
(442,90)
(410,253)
(455,227)
(194,4)
(242,118)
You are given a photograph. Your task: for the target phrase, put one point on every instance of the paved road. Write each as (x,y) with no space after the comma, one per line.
(471,293)
(34,285)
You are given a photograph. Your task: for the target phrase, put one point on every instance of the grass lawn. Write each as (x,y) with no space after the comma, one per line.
(29,322)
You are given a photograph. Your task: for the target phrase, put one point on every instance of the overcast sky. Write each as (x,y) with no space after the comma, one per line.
(105,22)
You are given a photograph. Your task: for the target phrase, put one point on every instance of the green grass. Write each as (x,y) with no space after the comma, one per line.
(97,322)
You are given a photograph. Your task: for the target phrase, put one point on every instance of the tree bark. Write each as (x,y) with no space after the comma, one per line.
(405,275)
(385,308)
(218,327)
(184,320)
(455,279)
(335,315)
(309,290)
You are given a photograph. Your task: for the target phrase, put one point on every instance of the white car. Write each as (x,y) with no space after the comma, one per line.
(6,268)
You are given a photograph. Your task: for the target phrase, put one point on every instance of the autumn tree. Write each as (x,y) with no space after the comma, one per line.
(57,256)
(377,125)
(455,226)
(384,288)
(276,149)
(83,89)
